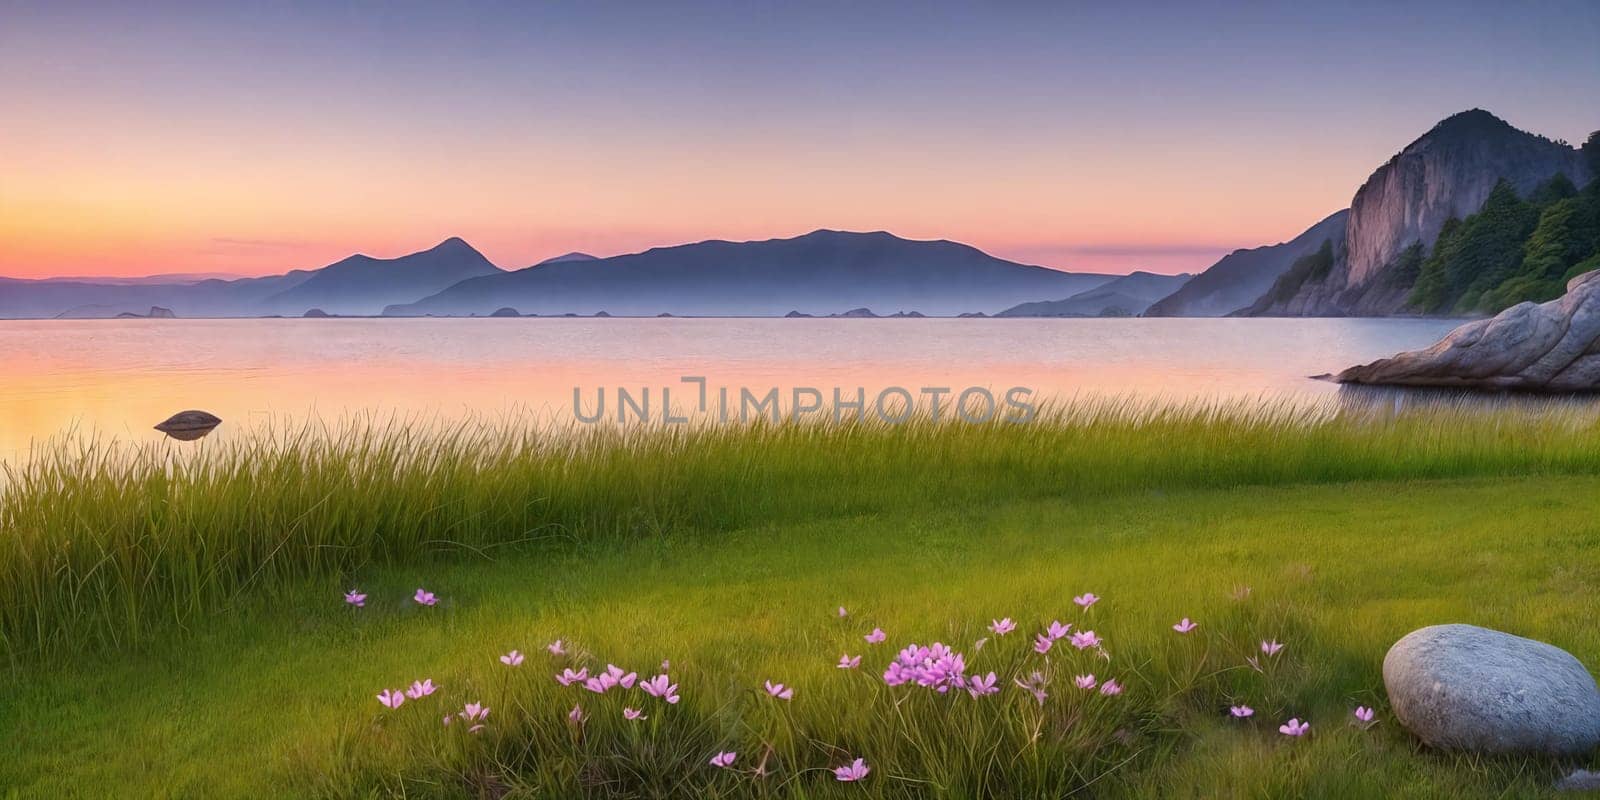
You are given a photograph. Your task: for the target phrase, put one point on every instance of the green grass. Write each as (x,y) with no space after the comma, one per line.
(208,654)
(276,698)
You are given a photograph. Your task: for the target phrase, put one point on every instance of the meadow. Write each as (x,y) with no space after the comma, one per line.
(183,621)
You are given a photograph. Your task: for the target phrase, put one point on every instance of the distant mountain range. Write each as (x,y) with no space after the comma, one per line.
(355,285)
(1127,296)
(1364,260)
(820,273)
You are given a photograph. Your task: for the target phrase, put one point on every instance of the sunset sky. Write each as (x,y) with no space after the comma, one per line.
(1103,137)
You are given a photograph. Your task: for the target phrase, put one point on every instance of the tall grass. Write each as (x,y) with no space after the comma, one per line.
(104,544)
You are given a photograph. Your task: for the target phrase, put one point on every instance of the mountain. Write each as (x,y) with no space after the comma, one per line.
(1447,173)
(1127,296)
(365,285)
(1236,281)
(573,256)
(354,286)
(822,272)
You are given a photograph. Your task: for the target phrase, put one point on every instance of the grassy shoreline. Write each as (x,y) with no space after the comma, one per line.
(107,545)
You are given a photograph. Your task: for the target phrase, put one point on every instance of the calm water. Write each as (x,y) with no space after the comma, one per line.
(119,377)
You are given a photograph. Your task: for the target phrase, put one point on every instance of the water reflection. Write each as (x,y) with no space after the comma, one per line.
(118,378)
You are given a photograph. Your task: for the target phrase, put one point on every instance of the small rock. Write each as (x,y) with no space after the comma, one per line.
(187,426)
(1462,687)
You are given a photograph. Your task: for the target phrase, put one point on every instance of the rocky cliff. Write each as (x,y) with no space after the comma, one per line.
(1446,173)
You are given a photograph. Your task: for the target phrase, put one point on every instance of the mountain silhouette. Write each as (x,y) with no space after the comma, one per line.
(365,285)
(820,273)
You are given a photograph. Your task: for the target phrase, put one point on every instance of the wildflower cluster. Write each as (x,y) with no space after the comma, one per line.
(937,667)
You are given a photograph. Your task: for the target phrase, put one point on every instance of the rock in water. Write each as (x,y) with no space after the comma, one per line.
(1544,347)
(187,426)
(1461,687)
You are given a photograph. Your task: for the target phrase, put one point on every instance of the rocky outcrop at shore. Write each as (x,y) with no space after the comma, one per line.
(1543,347)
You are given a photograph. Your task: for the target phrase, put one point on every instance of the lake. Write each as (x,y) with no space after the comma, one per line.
(120,377)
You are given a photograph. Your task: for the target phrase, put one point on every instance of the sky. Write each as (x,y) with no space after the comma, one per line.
(260,137)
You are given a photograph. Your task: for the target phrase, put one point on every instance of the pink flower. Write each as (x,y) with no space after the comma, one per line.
(842,614)
(846,662)
(1042,643)
(854,771)
(1271,648)
(876,636)
(1084,681)
(723,760)
(661,686)
(625,681)
(1085,639)
(981,685)
(1365,715)
(1241,711)
(568,677)
(1002,627)
(421,689)
(1294,727)
(355,598)
(576,715)
(978,645)
(1184,625)
(633,714)
(1057,630)
(512,659)
(1034,685)
(474,712)
(425,598)
(556,648)
(391,698)
(780,691)
(611,678)
(1111,688)
(1086,599)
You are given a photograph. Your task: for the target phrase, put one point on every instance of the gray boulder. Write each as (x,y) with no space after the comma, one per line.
(1543,347)
(1461,687)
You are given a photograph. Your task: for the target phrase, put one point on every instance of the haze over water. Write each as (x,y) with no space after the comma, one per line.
(120,377)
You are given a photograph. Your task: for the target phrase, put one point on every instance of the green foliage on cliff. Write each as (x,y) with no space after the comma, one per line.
(1514,249)
(1309,267)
